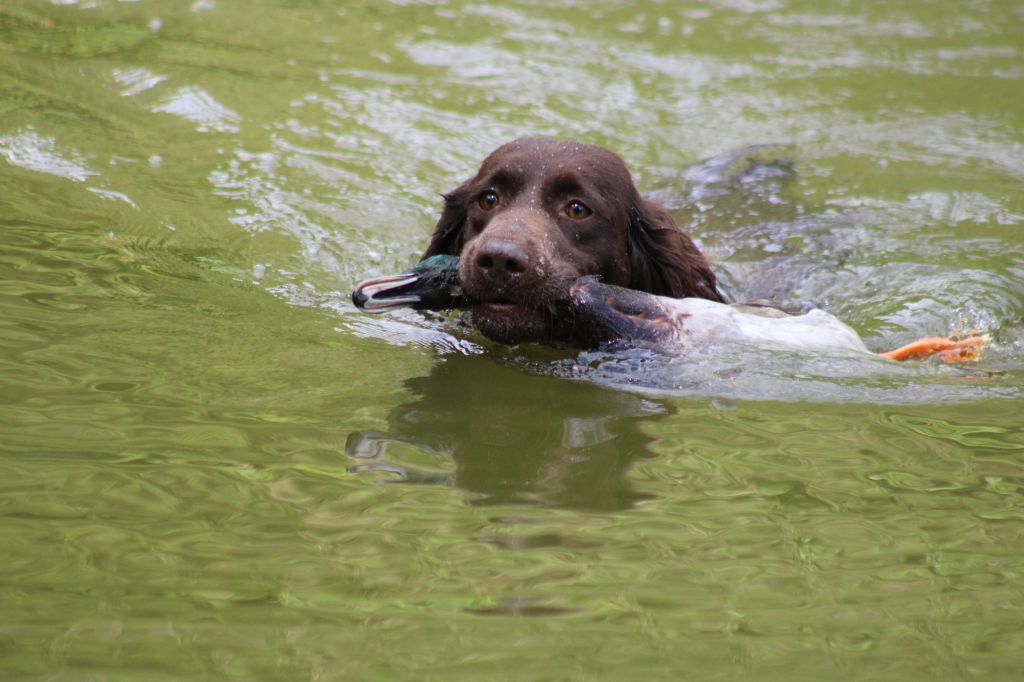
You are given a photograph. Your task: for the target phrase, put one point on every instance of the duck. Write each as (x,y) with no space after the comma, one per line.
(597,313)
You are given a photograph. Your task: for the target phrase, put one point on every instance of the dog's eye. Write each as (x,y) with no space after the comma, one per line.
(488,200)
(577,210)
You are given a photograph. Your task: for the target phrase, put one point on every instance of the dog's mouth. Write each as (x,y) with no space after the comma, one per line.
(504,306)
(510,322)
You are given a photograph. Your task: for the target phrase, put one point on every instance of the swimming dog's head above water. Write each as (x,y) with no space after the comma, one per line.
(541,213)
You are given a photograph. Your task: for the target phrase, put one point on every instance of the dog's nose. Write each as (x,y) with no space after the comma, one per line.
(501,258)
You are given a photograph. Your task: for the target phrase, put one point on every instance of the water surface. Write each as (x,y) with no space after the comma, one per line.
(213,466)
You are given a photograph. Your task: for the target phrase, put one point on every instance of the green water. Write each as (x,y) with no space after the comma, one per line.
(213,467)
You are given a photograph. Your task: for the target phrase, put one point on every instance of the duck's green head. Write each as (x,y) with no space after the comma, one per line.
(433,284)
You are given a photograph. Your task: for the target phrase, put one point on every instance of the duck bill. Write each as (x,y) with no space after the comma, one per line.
(385,293)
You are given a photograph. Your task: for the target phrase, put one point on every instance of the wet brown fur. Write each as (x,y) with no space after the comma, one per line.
(526,248)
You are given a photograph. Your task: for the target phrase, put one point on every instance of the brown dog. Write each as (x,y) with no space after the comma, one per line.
(541,213)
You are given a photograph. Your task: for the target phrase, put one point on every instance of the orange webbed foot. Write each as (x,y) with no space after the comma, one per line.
(951,349)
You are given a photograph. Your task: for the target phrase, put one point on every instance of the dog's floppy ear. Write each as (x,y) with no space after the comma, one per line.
(447,237)
(663,259)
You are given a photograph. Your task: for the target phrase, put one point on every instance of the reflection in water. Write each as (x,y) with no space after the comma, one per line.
(197,105)
(515,437)
(28,149)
